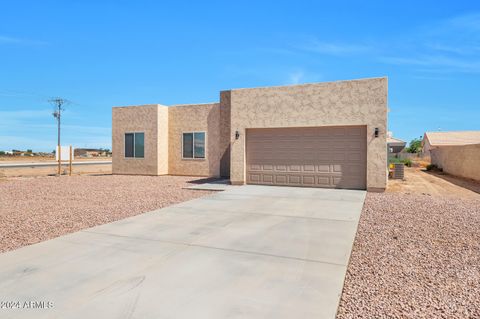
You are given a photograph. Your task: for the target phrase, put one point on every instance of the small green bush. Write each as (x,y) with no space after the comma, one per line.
(407,162)
(431,167)
(394,160)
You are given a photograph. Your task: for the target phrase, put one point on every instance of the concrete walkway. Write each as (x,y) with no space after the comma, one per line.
(248,252)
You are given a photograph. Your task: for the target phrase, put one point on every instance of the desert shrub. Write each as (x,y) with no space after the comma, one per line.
(407,162)
(431,167)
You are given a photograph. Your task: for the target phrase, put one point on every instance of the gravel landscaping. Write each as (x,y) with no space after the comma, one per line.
(415,256)
(37,209)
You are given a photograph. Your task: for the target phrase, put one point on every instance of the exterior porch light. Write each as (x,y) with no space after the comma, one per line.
(237,135)
(376,131)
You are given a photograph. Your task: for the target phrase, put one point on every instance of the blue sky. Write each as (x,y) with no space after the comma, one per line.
(99,54)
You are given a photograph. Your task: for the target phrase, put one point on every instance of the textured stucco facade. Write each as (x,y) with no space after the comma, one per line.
(461,160)
(150,119)
(357,102)
(195,118)
(343,103)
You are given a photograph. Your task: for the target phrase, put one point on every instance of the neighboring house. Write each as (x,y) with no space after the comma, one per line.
(457,152)
(432,140)
(90,152)
(394,145)
(20,153)
(329,134)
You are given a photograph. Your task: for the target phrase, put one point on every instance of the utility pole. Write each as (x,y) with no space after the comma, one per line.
(57,113)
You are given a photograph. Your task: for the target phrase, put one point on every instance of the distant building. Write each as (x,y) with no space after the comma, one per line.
(394,145)
(19,153)
(91,152)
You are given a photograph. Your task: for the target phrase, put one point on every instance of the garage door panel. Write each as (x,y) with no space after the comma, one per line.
(309,168)
(281,179)
(313,157)
(323,168)
(254,177)
(323,181)
(294,168)
(308,180)
(267,178)
(294,179)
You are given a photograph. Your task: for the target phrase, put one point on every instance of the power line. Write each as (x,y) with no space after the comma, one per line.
(59,107)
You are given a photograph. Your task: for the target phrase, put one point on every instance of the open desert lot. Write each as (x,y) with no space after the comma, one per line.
(43,166)
(41,208)
(417,251)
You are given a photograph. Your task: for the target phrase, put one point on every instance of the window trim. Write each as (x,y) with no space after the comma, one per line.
(193,158)
(133,157)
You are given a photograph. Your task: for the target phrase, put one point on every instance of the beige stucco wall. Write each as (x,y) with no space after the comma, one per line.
(225,119)
(458,160)
(357,102)
(190,118)
(162,140)
(150,119)
(426,147)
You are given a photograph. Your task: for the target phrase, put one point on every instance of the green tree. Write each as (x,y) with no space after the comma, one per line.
(415,146)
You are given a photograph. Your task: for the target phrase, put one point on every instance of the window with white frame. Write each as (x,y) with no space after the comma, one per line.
(193,145)
(135,144)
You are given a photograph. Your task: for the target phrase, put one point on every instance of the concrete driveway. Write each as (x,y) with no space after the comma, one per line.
(248,252)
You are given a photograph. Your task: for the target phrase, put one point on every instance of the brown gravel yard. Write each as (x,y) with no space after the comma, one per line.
(37,209)
(416,254)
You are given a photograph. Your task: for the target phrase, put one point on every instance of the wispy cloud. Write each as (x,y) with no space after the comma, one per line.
(19,41)
(332,48)
(469,21)
(295,77)
(435,61)
(448,46)
(301,76)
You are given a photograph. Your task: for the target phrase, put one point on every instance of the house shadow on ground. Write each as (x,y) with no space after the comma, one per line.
(211,180)
(466,183)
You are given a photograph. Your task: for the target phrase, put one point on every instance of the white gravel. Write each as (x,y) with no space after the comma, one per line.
(415,256)
(37,209)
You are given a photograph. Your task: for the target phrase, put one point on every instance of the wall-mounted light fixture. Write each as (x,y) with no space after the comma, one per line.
(237,135)
(376,132)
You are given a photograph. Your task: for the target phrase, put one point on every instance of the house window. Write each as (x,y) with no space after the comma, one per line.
(134,145)
(193,145)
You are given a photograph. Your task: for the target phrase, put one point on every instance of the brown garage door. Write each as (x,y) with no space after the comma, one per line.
(332,157)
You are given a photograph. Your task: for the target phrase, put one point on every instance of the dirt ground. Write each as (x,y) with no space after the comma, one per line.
(33,159)
(36,209)
(52,170)
(419,181)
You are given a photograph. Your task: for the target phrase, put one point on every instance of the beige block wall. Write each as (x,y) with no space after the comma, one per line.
(151,120)
(357,102)
(461,161)
(189,118)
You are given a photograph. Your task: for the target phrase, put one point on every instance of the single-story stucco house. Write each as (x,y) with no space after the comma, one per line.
(432,140)
(395,145)
(330,134)
(456,152)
